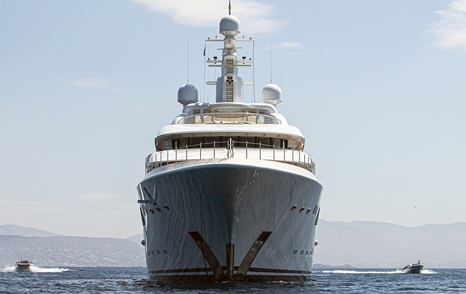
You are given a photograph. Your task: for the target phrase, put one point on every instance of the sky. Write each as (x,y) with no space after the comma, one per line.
(377,87)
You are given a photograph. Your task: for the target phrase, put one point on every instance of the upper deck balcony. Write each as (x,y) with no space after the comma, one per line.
(229,149)
(229,118)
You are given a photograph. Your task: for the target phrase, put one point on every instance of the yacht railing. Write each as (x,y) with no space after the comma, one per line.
(230,149)
(229,118)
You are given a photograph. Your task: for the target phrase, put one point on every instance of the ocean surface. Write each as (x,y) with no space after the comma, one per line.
(134,280)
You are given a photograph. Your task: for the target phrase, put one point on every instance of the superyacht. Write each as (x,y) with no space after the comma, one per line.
(229,193)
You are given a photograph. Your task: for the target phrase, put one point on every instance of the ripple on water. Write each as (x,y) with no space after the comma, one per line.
(134,280)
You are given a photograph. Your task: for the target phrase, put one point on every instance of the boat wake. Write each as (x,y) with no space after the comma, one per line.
(7,269)
(35,269)
(353,272)
(428,272)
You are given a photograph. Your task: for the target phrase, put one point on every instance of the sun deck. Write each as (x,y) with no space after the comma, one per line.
(234,118)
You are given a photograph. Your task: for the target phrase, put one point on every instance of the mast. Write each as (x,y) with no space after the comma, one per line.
(229,85)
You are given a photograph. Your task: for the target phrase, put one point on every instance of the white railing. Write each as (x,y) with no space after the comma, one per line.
(230,149)
(229,118)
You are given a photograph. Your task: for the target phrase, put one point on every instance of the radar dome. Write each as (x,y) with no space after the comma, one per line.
(272,94)
(229,25)
(187,94)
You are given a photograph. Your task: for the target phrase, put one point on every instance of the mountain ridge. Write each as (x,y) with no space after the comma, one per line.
(71,251)
(17,230)
(359,243)
(371,244)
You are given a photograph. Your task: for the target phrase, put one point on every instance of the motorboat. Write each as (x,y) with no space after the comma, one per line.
(414,268)
(23,265)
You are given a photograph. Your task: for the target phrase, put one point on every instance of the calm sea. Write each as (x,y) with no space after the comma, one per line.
(133,280)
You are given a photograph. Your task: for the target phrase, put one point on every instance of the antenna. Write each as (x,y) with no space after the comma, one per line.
(204,62)
(271,63)
(229,7)
(187,60)
(253,71)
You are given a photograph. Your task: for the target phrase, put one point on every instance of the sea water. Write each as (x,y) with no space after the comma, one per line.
(134,280)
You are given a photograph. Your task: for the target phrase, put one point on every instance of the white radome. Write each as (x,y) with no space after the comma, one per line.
(187,94)
(272,94)
(229,25)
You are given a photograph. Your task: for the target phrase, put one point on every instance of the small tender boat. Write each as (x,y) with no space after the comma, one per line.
(23,265)
(414,268)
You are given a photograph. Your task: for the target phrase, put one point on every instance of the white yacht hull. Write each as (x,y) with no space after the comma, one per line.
(232,219)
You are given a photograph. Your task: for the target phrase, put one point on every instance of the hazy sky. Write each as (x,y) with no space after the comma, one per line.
(377,87)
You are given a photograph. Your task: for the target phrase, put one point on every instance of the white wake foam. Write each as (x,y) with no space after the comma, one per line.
(352,272)
(8,268)
(36,269)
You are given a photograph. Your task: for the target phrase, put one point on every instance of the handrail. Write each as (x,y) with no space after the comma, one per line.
(230,149)
(230,118)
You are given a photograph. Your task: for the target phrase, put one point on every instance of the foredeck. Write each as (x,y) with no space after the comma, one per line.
(230,149)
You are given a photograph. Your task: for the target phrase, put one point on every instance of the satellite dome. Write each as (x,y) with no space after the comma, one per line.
(187,94)
(272,94)
(229,25)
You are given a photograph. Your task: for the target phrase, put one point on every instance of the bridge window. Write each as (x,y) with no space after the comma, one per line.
(241,142)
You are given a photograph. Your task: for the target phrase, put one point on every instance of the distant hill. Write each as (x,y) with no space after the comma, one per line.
(359,244)
(71,251)
(136,238)
(15,230)
(374,244)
